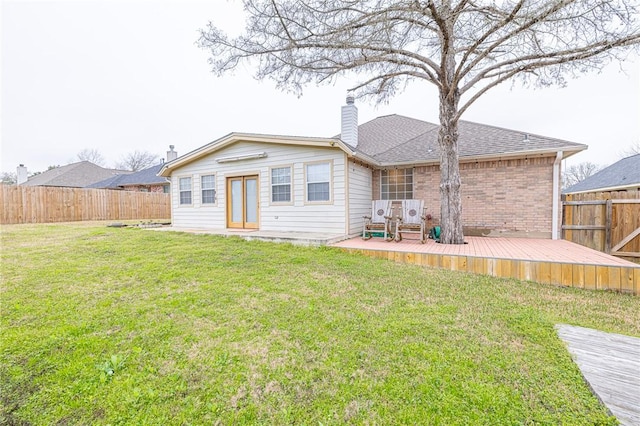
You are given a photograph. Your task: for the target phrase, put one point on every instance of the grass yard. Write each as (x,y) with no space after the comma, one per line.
(128,326)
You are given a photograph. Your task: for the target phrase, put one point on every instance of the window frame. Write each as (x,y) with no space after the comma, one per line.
(307,182)
(396,192)
(180,191)
(271,185)
(215,192)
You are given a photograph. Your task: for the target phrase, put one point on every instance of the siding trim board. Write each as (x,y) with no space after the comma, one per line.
(347,198)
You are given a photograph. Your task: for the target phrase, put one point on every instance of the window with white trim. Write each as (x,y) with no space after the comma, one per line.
(185,190)
(281,185)
(318,178)
(208,189)
(396,184)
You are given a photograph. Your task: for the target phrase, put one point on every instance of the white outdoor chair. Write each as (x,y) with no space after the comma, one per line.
(412,220)
(378,221)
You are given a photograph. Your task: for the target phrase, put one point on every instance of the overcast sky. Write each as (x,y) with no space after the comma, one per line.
(119,76)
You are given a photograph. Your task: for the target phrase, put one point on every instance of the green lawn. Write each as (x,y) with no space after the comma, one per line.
(128,326)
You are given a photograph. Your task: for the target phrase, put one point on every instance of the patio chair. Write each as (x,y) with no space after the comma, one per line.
(412,220)
(379,221)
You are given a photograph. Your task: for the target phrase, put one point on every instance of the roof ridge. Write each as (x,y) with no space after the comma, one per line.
(519,131)
(630,156)
(395,115)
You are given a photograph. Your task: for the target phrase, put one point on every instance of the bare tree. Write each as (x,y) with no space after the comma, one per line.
(92,155)
(633,149)
(462,47)
(578,173)
(8,178)
(50,167)
(137,160)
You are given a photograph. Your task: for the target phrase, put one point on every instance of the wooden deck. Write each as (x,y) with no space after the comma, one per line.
(557,262)
(610,363)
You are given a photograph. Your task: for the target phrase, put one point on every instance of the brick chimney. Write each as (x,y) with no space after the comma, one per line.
(349,133)
(171,154)
(21,174)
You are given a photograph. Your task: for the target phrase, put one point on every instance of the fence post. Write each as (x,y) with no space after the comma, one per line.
(608,223)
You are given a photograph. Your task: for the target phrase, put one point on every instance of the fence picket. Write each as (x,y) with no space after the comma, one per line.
(36,204)
(604,220)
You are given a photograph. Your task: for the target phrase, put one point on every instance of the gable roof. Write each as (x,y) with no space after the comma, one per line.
(624,174)
(396,139)
(74,175)
(232,138)
(148,176)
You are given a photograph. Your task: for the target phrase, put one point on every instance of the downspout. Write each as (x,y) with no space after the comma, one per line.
(556,197)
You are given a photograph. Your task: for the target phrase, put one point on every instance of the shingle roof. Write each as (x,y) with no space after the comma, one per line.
(398,139)
(75,175)
(146,176)
(623,174)
(395,140)
(111,182)
(390,132)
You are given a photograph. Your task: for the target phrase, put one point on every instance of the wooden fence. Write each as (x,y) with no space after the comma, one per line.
(604,221)
(37,204)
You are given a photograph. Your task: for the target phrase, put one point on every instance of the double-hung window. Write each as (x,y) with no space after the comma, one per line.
(396,184)
(185,190)
(208,188)
(318,178)
(281,185)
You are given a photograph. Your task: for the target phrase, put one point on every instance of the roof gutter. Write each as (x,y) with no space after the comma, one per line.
(608,189)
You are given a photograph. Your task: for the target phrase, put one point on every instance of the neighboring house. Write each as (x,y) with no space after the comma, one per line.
(510,179)
(621,176)
(74,175)
(146,180)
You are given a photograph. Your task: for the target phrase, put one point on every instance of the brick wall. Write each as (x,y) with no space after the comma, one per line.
(508,197)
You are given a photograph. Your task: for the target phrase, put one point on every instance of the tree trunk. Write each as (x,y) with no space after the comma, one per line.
(450,200)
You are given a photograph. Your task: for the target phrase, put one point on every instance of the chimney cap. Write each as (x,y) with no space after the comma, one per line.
(171,147)
(350,98)
(21,165)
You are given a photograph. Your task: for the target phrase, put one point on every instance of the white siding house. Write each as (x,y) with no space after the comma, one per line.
(271,183)
(326,185)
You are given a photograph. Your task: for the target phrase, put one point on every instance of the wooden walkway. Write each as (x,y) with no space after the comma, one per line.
(557,262)
(610,363)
